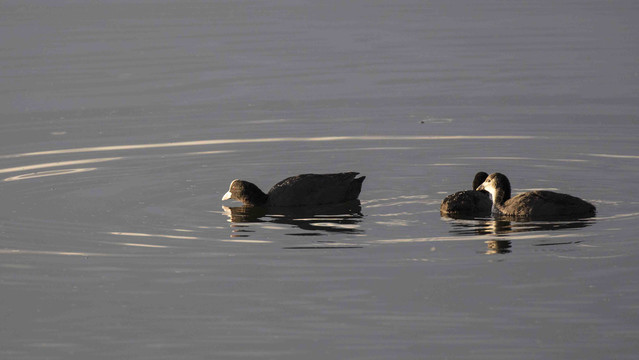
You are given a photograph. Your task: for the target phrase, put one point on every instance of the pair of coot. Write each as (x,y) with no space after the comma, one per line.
(490,195)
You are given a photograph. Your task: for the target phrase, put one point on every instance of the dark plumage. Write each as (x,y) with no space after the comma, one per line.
(468,202)
(538,204)
(300,190)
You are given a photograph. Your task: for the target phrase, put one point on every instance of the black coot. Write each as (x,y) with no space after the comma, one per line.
(468,202)
(538,204)
(300,190)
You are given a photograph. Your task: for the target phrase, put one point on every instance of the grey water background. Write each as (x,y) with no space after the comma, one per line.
(122,124)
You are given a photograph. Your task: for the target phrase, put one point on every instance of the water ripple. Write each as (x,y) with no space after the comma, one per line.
(472,238)
(265,140)
(615,156)
(47,173)
(57,164)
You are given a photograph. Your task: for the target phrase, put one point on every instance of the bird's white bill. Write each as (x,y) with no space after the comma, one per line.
(226,196)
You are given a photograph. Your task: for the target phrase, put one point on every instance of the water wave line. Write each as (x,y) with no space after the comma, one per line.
(472,238)
(143,245)
(518,158)
(57,164)
(266,140)
(43,252)
(40,174)
(117,233)
(613,156)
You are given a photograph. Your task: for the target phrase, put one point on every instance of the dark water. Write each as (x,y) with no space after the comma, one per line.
(122,124)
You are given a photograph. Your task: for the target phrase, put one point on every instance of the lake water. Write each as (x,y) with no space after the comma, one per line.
(122,124)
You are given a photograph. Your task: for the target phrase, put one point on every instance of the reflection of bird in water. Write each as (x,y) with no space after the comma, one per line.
(300,190)
(245,213)
(538,204)
(498,247)
(468,203)
(342,218)
(503,227)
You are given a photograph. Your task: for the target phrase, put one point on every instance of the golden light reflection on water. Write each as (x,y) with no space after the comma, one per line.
(145,235)
(334,225)
(42,252)
(398,201)
(177,237)
(39,174)
(212,152)
(375,148)
(265,140)
(618,216)
(589,257)
(474,238)
(57,164)
(394,222)
(615,156)
(48,173)
(517,158)
(142,245)
(180,237)
(247,241)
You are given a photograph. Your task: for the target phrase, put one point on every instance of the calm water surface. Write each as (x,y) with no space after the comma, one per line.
(123,123)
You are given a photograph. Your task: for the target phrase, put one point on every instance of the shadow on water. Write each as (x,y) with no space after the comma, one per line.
(314,221)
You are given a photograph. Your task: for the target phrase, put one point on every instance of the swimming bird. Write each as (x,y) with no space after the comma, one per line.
(538,204)
(300,190)
(468,202)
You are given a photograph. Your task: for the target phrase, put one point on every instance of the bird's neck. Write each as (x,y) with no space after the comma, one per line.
(500,197)
(257,198)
